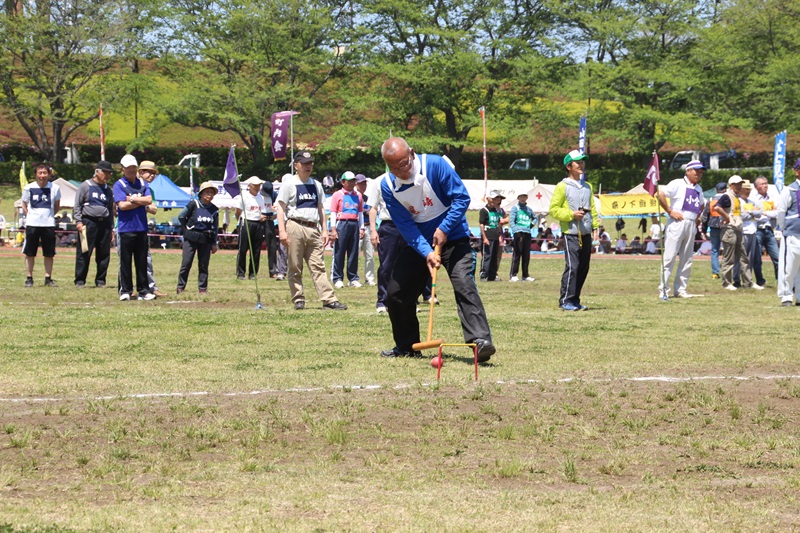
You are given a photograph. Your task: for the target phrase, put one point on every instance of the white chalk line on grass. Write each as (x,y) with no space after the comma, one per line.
(159,395)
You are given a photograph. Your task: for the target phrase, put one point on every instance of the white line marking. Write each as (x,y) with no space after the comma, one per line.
(157,395)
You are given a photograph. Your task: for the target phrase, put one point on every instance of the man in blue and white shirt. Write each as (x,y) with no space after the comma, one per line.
(428,202)
(40,201)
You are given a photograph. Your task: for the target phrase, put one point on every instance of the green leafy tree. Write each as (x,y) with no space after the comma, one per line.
(430,66)
(242,60)
(53,54)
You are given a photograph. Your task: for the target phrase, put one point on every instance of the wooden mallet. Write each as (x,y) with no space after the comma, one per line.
(436,342)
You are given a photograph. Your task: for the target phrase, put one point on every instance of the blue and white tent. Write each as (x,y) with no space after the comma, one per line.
(168,195)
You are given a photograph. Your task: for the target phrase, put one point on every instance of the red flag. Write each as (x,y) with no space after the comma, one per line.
(653,176)
(102,136)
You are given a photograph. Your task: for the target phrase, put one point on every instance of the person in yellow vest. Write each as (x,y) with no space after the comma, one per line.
(729,209)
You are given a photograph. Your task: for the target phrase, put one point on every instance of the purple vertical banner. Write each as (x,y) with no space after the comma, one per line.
(280,133)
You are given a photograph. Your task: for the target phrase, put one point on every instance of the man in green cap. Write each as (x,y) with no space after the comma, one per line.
(572,204)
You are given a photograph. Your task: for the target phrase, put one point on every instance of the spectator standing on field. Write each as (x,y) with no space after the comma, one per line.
(40,202)
(750,213)
(572,204)
(132,196)
(521,219)
(491,239)
(365,245)
(347,225)
(710,222)
(788,218)
(730,210)
(270,233)
(300,215)
(682,200)
(94,214)
(251,228)
(765,235)
(200,218)
(148,172)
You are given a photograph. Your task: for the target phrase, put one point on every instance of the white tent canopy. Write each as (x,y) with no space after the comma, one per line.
(508,188)
(538,198)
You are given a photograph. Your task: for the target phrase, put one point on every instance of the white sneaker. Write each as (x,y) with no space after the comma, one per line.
(529,279)
(355,284)
(370,283)
(124,297)
(514,279)
(381,310)
(757,287)
(149,296)
(338,285)
(730,288)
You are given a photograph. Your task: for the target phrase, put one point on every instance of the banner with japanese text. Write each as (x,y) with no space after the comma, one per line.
(280,133)
(627,204)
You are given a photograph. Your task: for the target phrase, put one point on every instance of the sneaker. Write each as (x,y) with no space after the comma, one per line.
(685,295)
(147,296)
(381,310)
(582,308)
(158,294)
(202,291)
(335,306)
(787,303)
(514,279)
(338,284)
(48,282)
(485,349)
(714,276)
(280,277)
(179,290)
(570,307)
(371,283)
(299,305)
(435,301)
(124,297)
(29,282)
(100,284)
(240,278)
(396,352)
(757,287)
(529,279)
(80,285)
(251,276)
(355,283)
(730,287)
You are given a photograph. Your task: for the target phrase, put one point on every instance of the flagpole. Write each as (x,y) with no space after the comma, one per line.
(664,296)
(482,111)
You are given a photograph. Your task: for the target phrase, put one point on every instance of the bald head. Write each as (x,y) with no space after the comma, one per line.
(399,157)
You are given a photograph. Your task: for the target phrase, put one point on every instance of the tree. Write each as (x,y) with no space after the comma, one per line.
(53,52)
(432,64)
(242,60)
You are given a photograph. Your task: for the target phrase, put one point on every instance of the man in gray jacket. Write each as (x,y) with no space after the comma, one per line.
(94,219)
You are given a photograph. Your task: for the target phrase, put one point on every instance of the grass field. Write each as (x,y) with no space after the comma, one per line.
(201,413)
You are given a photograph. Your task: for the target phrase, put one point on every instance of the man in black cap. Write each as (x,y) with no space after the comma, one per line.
(94,219)
(300,215)
(711,224)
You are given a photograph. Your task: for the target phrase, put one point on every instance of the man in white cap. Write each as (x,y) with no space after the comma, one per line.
(132,195)
(730,210)
(252,222)
(788,218)
(347,225)
(682,200)
(572,204)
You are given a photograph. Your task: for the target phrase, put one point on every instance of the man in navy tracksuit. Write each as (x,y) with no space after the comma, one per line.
(428,203)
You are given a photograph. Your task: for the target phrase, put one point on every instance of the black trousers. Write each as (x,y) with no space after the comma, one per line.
(389,247)
(98,237)
(256,239)
(409,276)
(491,260)
(203,252)
(133,246)
(577,255)
(522,252)
(271,238)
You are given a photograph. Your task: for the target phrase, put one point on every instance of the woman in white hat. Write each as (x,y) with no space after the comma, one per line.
(251,227)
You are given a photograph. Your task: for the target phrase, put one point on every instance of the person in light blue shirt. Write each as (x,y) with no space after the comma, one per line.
(521,219)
